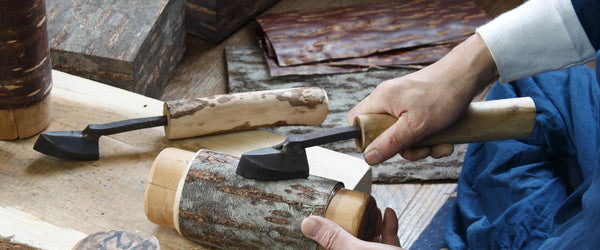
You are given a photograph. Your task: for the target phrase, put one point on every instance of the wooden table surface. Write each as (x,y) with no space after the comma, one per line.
(203,71)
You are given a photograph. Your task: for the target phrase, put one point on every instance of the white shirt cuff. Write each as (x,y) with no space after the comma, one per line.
(538,36)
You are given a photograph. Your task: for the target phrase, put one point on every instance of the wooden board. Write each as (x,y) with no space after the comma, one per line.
(248,71)
(134,45)
(47,201)
(214,20)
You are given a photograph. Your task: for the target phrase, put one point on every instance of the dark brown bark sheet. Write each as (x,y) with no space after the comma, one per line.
(25,73)
(247,71)
(413,58)
(307,36)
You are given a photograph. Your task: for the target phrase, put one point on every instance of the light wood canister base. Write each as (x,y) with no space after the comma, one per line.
(200,196)
(25,122)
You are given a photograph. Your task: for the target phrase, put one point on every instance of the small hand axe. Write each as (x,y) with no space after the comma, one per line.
(200,116)
(483,121)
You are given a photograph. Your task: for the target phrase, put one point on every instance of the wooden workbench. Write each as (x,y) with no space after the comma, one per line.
(59,202)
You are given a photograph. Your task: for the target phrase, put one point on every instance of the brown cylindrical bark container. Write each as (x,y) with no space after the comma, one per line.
(201,196)
(25,69)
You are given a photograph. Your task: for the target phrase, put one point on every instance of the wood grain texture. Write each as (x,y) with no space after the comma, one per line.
(221,209)
(410,58)
(315,35)
(218,199)
(248,71)
(214,20)
(426,202)
(131,45)
(244,111)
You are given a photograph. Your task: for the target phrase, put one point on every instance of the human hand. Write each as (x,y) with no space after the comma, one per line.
(427,101)
(332,236)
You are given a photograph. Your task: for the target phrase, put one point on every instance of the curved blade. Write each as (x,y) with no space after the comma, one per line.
(68,144)
(270,164)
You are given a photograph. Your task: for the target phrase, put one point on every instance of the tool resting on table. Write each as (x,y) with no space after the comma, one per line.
(483,121)
(200,116)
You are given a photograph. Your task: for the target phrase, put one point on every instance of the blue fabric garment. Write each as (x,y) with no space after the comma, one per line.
(521,194)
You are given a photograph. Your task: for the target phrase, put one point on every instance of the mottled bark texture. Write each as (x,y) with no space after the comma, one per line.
(25,73)
(384,30)
(218,208)
(114,239)
(243,111)
(248,71)
(214,20)
(133,45)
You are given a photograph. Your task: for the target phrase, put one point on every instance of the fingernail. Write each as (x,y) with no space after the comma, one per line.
(373,157)
(310,227)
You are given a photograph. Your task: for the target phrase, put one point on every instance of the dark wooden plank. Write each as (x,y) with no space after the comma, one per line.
(248,71)
(214,20)
(134,45)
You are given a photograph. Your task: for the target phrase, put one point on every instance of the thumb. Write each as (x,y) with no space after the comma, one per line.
(327,233)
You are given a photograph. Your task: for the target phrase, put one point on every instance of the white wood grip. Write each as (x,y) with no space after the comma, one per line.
(494,120)
(243,111)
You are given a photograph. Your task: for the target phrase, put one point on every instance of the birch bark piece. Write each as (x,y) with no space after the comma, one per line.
(205,201)
(412,58)
(254,109)
(314,35)
(115,239)
(25,71)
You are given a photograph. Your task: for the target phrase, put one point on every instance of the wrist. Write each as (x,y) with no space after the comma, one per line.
(472,67)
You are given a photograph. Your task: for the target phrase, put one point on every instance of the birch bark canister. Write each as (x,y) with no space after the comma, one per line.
(201,196)
(25,69)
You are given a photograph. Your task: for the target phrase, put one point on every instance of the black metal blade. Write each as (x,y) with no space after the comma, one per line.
(67,144)
(288,160)
(270,164)
(83,145)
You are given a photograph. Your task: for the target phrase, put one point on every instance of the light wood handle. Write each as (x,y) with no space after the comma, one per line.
(502,119)
(242,111)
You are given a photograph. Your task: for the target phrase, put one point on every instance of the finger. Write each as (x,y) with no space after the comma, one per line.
(442,150)
(415,154)
(327,233)
(394,139)
(378,227)
(389,235)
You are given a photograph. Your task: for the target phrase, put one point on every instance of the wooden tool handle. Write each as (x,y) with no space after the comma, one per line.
(242,111)
(483,121)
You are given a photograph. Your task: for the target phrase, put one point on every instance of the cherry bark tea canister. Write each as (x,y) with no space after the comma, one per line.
(25,69)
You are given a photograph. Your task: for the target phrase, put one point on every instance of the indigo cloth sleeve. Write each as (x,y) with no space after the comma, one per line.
(536,37)
(530,193)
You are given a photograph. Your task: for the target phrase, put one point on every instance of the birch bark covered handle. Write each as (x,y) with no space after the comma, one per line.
(502,119)
(200,195)
(243,111)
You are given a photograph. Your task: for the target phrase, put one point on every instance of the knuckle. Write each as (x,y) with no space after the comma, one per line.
(329,238)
